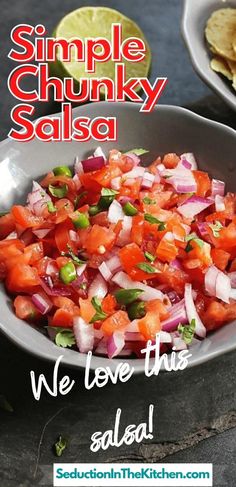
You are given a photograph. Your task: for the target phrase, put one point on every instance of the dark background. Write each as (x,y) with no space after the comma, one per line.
(30,431)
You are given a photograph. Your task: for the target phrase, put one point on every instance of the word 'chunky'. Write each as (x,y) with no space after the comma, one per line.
(88,51)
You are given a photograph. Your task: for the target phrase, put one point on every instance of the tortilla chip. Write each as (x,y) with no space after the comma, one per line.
(232,66)
(234,42)
(234,82)
(220,29)
(219,65)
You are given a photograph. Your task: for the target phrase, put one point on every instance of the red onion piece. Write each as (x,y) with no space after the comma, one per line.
(113,263)
(165,337)
(115,212)
(134,337)
(193,206)
(148,180)
(178,343)
(181,179)
(173,297)
(42,302)
(232,294)
(133,327)
(123,281)
(98,288)
(99,153)
(176,264)
(115,344)
(41,232)
(192,313)
(232,276)
(55,290)
(186,164)
(124,235)
(190,159)
(125,199)
(116,183)
(223,287)
(136,172)
(217,284)
(77,182)
(217,187)
(105,271)
(78,168)
(203,229)
(84,335)
(219,203)
(93,164)
(210,280)
(134,157)
(177,315)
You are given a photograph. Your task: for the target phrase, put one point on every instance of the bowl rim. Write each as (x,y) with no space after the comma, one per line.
(226,95)
(138,364)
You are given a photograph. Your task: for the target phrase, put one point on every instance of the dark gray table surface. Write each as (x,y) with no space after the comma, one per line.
(21,431)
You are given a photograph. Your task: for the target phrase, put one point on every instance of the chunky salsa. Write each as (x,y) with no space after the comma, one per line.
(106,256)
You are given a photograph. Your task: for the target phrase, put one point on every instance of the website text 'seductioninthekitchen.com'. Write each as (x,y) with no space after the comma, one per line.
(102,474)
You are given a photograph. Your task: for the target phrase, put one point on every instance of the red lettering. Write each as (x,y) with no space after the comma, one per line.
(16,76)
(28,128)
(28,47)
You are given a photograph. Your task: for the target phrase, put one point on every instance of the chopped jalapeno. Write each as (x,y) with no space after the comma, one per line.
(130,209)
(62,171)
(67,273)
(58,191)
(81,221)
(136,310)
(127,296)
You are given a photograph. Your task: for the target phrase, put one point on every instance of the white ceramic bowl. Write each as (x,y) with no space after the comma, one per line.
(166,129)
(195,15)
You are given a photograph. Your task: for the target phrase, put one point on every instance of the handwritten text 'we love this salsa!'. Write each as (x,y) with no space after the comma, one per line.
(30,45)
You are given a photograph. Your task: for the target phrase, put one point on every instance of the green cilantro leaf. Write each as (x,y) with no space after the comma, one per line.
(107,196)
(149,256)
(144,266)
(187,331)
(216,227)
(149,201)
(73,257)
(138,152)
(64,338)
(60,446)
(51,207)
(194,237)
(99,315)
(152,219)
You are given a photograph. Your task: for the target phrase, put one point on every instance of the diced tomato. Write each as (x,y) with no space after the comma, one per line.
(109,304)
(202,253)
(157,306)
(218,314)
(25,309)
(99,238)
(62,236)
(131,255)
(137,229)
(117,321)
(220,258)
(7,225)
(22,277)
(34,252)
(25,217)
(167,250)
(170,160)
(150,325)
(63,318)
(227,238)
(203,183)
(87,310)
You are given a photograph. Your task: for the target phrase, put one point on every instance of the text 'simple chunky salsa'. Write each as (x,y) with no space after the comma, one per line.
(108,256)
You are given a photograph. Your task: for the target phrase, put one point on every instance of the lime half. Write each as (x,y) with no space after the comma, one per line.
(92,22)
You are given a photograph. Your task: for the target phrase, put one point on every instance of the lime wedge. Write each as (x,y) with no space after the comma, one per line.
(95,22)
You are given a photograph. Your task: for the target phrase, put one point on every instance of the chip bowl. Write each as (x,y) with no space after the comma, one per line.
(195,16)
